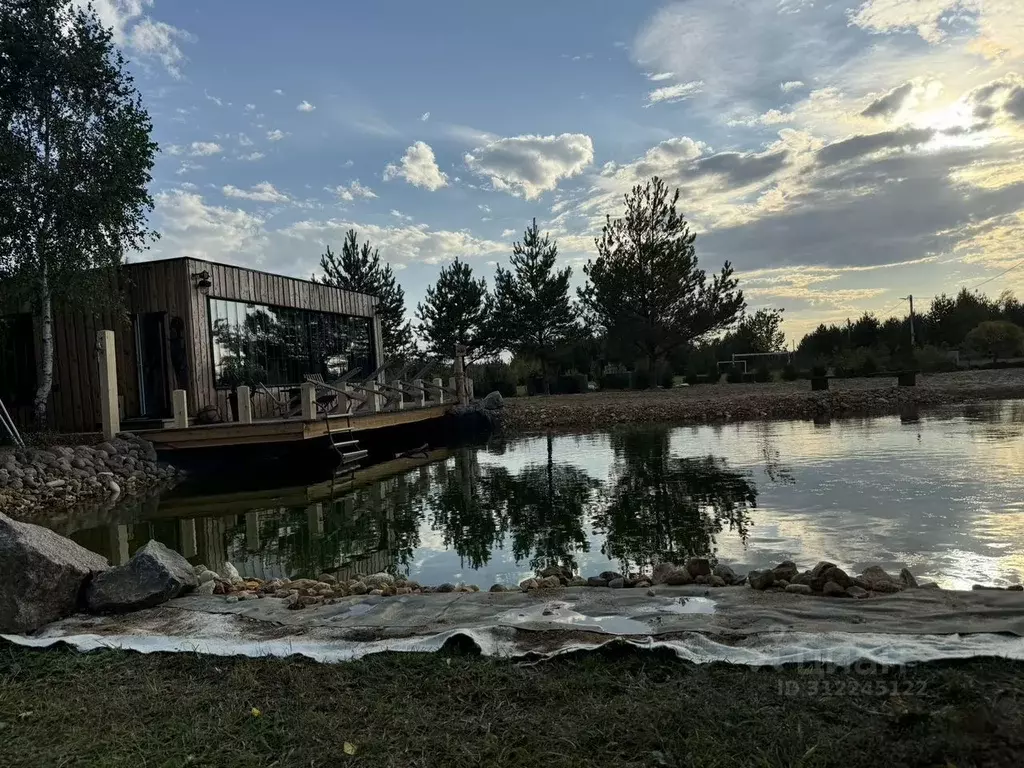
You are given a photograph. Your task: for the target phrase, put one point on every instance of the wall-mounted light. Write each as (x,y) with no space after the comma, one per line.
(202,279)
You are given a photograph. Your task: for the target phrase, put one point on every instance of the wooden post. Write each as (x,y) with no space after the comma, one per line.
(315,519)
(187,530)
(109,412)
(421,394)
(252,531)
(439,388)
(307,399)
(460,375)
(397,384)
(469,389)
(179,406)
(244,397)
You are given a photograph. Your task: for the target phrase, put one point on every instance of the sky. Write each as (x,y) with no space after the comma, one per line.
(842,155)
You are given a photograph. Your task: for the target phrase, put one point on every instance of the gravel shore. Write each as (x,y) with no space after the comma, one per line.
(717,403)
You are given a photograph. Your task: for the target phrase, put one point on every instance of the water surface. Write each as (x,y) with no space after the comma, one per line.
(942,494)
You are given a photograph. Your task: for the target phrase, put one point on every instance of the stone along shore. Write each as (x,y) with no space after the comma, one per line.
(718,403)
(60,477)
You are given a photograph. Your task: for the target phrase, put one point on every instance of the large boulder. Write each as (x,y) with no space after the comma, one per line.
(494,401)
(42,575)
(154,575)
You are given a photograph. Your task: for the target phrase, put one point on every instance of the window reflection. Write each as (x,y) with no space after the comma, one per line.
(280,345)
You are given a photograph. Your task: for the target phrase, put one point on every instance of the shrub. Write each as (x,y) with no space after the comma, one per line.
(762,374)
(535,385)
(493,377)
(818,371)
(642,379)
(790,373)
(615,381)
(868,366)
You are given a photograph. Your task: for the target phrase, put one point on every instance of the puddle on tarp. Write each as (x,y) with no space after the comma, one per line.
(558,612)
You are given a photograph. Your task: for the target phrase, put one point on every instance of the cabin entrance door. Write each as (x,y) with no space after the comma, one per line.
(151,354)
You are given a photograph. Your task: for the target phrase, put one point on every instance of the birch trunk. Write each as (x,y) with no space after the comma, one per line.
(46,357)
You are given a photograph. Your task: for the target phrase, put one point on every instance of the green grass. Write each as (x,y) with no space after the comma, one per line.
(58,707)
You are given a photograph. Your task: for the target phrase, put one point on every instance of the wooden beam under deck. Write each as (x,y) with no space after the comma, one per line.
(272,431)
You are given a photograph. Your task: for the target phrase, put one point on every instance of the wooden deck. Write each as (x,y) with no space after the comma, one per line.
(270,431)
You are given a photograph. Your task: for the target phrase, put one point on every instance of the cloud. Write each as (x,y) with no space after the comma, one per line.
(215,99)
(657,77)
(791,85)
(250,107)
(531,165)
(276,135)
(187,166)
(305,106)
(141,35)
(252,157)
(1004,95)
(352,191)
(400,244)
(889,103)
(244,141)
(508,233)
(425,116)
(418,167)
(204,148)
(771,117)
(264,192)
(865,144)
(741,168)
(190,227)
(673,93)
(279,92)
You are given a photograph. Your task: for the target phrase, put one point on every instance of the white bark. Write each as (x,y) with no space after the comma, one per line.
(45,383)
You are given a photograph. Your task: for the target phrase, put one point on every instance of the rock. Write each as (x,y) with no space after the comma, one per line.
(618,583)
(804,577)
(198,569)
(358,588)
(831,589)
(550,582)
(597,581)
(41,575)
(154,575)
(642,584)
(933,585)
(376,592)
(725,573)
(680,577)
(525,585)
(577,581)
(761,579)
(716,581)
(700,579)
(854,591)
(786,570)
(378,580)
(907,579)
(698,566)
(206,576)
(231,599)
(781,583)
(230,573)
(494,401)
(558,571)
(651,593)
(875,579)
(403,591)
(799,589)
(1011,588)
(838,576)
(497,588)
(609,575)
(207,587)
(56,484)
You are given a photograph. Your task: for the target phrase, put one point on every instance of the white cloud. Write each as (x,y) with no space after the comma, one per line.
(305,106)
(352,191)
(204,148)
(276,135)
(401,244)
(425,116)
(250,107)
(264,192)
(771,117)
(348,164)
(252,157)
(190,227)
(418,167)
(141,35)
(657,77)
(672,93)
(508,233)
(215,99)
(244,141)
(187,166)
(531,165)
(791,85)
(175,149)
(279,92)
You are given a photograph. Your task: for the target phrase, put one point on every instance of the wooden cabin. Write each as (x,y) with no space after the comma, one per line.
(193,325)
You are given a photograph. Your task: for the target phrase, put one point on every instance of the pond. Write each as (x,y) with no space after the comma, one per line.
(942,493)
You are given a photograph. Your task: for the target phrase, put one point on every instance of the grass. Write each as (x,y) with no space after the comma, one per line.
(59,707)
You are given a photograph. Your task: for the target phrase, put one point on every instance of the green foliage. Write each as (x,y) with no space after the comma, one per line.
(759,332)
(616,381)
(75,161)
(996,339)
(532,313)
(359,268)
(492,377)
(645,288)
(762,374)
(932,359)
(455,311)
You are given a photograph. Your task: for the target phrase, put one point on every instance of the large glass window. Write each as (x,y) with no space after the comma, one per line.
(17,359)
(279,345)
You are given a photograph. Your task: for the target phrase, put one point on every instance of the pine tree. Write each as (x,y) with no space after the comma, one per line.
(359,268)
(646,289)
(75,160)
(456,311)
(532,308)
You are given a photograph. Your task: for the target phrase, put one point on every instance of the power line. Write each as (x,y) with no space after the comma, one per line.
(990,279)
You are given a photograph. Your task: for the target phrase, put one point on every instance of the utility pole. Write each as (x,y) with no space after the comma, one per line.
(913,341)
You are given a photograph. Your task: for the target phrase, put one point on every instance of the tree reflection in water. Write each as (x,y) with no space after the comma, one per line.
(660,508)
